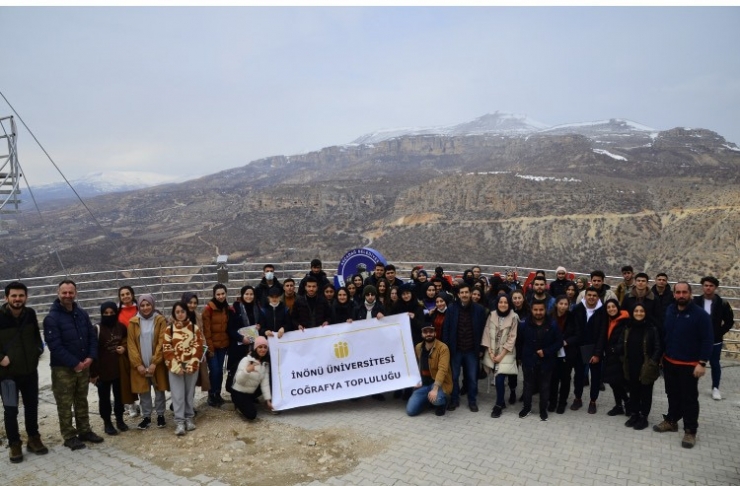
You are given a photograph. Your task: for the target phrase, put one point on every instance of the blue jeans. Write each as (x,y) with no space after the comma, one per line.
(469,362)
(501,389)
(714,363)
(419,400)
(216,371)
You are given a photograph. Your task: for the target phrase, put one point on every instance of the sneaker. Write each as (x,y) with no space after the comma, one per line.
(642,423)
(561,408)
(91,437)
(144,424)
(715,394)
(543,416)
(688,441)
(74,443)
(36,446)
(666,426)
(160,422)
(180,429)
(512,397)
(617,410)
(634,418)
(440,410)
(109,429)
(213,402)
(473,407)
(592,407)
(189,425)
(525,412)
(496,412)
(121,425)
(577,404)
(16,452)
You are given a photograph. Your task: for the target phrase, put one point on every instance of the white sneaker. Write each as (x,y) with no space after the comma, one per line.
(715,394)
(189,425)
(180,429)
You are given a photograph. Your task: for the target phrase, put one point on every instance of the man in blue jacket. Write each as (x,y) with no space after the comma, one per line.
(73,345)
(462,332)
(688,347)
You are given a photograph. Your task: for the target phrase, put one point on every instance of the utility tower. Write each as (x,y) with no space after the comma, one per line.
(10,171)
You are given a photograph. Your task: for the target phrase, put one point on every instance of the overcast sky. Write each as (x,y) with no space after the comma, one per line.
(195,90)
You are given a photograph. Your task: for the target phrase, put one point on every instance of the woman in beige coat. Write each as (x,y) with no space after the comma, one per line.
(147,360)
(499,339)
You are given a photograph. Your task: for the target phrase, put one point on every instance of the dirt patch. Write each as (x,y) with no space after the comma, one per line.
(228,447)
(265,451)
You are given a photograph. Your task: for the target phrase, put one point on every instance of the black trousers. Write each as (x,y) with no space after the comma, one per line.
(104,391)
(560,382)
(595,370)
(641,398)
(682,389)
(619,389)
(537,378)
(28,387)
(245,402)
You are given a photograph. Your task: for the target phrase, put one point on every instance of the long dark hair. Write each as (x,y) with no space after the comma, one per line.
(256,356)
(133,296)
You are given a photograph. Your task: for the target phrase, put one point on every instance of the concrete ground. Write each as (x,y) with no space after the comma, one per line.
(465,448)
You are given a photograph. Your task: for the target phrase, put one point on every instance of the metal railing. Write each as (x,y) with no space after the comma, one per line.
(167,284)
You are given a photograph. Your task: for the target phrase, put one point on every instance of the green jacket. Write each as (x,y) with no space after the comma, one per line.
(20,341)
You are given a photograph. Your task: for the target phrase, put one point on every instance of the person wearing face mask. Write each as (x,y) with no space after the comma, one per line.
(276,319)
(269,281)
(147,360)
(641,343)
(499,341)
(246,313)
(105,372)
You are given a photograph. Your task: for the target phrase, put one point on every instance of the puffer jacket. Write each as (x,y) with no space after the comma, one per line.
(70,335)
(215,326)
(20,341)
(246,382)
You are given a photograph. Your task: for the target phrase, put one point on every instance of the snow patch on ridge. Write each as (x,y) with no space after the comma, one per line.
(606,152)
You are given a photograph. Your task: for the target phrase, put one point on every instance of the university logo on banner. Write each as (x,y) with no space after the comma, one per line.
(342,361)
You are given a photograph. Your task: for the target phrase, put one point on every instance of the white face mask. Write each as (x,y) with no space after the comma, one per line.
(275,304)
(269,275)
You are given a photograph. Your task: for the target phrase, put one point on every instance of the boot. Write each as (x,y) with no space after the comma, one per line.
(109,429)
(36,446)
(642,422)
(16,452)
(120,424)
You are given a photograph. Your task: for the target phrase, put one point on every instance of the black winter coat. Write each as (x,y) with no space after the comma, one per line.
(20,340)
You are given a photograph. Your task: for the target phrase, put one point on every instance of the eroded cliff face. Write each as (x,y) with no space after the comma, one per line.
(665,202)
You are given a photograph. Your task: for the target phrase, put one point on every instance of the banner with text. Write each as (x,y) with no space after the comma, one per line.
(342,361)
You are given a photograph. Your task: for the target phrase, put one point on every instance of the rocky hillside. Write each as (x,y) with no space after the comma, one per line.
(589,195)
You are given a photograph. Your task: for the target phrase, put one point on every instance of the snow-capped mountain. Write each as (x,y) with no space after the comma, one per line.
(496,123)
(97,183)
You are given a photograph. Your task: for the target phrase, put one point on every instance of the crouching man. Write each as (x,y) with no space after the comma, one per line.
(435,388)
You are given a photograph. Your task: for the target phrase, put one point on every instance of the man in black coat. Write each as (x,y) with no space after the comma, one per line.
(591,325)
(720,312)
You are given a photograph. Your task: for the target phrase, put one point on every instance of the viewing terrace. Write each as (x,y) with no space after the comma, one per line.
(168,283)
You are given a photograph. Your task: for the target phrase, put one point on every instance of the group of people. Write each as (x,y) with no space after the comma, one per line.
(554,333)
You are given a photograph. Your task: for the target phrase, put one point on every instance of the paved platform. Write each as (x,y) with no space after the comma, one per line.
(467,448)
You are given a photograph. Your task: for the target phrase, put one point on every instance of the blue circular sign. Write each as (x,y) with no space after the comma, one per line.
(359,260)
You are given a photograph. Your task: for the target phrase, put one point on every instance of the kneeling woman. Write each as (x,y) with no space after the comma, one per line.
(253,373)
(182,345)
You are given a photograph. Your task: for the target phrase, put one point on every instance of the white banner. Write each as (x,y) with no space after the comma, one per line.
(342,361)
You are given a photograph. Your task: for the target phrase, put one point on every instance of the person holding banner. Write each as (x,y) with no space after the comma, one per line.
(252,373)
(370,308)
(433,357)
